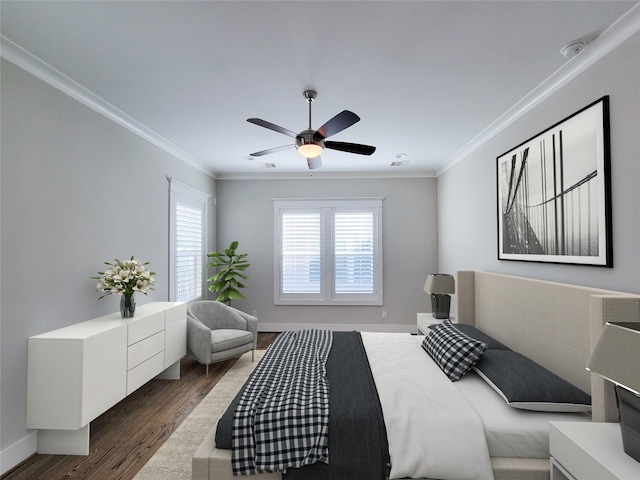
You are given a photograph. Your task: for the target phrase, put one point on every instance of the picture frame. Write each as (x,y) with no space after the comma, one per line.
(554,193)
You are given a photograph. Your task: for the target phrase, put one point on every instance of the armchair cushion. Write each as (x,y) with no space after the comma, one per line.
(225,339)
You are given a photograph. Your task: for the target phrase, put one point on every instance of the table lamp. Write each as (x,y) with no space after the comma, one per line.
(616,357)
(440,285)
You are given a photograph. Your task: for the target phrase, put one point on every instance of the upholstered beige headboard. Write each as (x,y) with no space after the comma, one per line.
(554,324)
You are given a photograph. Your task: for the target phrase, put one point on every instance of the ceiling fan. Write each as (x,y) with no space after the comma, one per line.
(310,143)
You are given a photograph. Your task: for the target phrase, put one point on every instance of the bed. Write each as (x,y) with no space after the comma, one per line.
(555,325)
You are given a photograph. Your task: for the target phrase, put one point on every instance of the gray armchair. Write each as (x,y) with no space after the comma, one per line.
(217,332)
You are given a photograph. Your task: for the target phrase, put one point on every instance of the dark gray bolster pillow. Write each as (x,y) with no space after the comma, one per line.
(526,385)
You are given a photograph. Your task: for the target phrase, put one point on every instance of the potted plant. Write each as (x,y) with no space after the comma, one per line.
(226,281)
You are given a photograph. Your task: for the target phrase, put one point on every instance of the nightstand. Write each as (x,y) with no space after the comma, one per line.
(426,319)
(589,451)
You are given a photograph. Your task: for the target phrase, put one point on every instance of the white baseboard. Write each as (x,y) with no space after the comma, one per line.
(338,327)
(18,452)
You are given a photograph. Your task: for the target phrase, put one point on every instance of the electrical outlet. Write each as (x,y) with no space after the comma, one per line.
(384,314)
(255,313)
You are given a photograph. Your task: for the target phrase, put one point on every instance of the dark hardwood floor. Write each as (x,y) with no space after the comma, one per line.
(125,437)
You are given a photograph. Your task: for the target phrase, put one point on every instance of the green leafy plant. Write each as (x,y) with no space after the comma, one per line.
(225,282)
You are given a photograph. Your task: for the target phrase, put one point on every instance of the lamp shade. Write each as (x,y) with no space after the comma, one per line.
(440,283)
(616,356)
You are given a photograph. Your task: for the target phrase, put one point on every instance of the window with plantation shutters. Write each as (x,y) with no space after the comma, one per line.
(188,241)
(189,251)
(328,251)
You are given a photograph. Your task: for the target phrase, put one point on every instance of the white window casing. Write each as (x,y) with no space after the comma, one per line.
(188,228)
(328,251)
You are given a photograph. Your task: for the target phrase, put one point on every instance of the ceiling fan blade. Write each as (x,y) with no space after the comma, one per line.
(338,123)
(270,150)
(314,163)
(350,147)
(271,126)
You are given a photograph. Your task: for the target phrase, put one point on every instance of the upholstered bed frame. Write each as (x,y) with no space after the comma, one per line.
(554,324)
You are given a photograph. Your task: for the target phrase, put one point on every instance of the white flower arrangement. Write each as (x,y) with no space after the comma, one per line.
(125,277)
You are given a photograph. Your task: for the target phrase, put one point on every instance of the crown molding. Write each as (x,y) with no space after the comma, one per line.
(45,72)
(614,36)
(322,175)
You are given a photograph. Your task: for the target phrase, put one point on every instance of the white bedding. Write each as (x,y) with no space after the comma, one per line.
(417,400)
(511,432)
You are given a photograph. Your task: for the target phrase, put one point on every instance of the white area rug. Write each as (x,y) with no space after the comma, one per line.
(173,460)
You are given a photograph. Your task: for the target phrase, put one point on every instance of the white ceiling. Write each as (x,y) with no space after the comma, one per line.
(426,77)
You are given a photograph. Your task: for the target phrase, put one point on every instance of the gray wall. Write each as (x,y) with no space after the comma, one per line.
(245,213)
(467,192)
(77,190)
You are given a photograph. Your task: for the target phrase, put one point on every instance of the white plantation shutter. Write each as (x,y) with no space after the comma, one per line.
(328,251)
(188,241)
(189,252)
(354,253)
(301,253)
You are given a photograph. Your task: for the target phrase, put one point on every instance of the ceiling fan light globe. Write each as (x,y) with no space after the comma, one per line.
(309,150)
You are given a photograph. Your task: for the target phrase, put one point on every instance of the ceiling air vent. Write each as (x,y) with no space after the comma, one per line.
(268,165)
(400,163)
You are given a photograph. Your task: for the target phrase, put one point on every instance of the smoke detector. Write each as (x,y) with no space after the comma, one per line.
(573,49)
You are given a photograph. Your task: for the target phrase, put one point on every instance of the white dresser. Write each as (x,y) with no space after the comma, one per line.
(78,372)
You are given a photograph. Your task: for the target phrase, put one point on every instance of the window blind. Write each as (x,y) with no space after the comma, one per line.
(187,241)
(189,252)
(354,253)
(301,253)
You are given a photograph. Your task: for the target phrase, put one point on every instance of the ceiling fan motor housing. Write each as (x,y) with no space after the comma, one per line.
(306,137)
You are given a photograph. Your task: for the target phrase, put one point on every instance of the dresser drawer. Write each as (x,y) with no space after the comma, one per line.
(144,372)
(145,349)
(141,328)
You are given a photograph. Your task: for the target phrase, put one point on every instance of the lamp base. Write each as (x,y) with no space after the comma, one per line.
(629,408)
(440,305)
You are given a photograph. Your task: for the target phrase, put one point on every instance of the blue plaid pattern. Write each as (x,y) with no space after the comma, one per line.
(282,419)
(453,351)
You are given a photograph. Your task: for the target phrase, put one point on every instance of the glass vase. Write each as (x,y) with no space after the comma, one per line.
(127,306)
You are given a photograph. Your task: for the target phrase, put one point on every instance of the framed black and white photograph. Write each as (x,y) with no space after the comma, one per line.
(554,199)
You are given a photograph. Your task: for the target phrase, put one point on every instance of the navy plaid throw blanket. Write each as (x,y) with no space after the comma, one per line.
(282,419)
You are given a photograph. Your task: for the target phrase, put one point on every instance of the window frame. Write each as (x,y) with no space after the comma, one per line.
(327,208)
(180,192)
